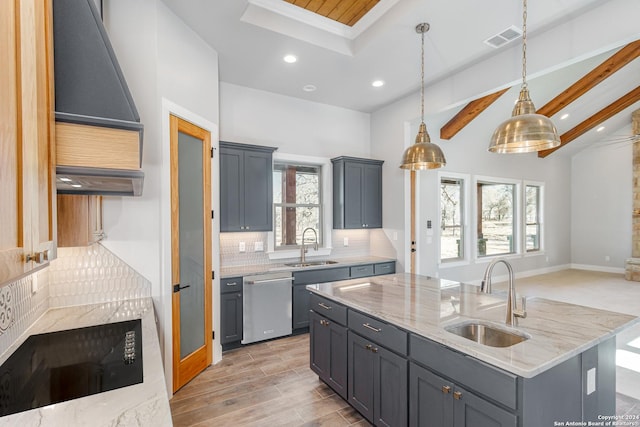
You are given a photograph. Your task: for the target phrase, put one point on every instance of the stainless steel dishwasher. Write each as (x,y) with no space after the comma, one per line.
(266,305)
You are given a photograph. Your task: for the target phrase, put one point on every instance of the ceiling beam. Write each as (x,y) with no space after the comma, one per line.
(606,113)
(467,114)
(595,76)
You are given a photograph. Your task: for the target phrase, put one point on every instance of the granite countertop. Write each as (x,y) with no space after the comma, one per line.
(246,270)
(425,306)
(144,404)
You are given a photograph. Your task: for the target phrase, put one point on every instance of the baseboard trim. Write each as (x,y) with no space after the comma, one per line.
(600,268)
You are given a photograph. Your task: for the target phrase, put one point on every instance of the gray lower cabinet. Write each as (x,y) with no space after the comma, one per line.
(300,301)
(328,352)
(437,402)
(377,382)
(300,294)
(230,310)
(246,180)
(357,193)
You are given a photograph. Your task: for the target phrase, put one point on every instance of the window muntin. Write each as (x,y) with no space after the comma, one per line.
(533,224)
(496,203)
(452,236)
(297,203)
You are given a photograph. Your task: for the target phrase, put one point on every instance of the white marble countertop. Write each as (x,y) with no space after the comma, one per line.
(245,270)
(425,306)
(144,404)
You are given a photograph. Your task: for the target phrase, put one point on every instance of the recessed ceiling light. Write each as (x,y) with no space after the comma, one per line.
(290,59)
(600,129)
(309,88)
(65,179)
(76,185)
(377,83)
(564,116)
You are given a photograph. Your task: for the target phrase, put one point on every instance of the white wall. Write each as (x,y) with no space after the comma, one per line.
(293,125)
(601,200)
(168,68)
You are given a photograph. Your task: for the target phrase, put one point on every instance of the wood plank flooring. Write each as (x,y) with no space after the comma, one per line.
(264,384)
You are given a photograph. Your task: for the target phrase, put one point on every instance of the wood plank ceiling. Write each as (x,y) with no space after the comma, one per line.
(614,63)
(347,12)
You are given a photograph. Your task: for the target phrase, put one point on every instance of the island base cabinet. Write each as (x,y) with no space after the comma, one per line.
(436,402)
(329,352)
(377,382)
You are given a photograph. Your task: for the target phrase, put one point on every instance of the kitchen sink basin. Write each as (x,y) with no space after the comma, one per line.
(310,263)
(487,334)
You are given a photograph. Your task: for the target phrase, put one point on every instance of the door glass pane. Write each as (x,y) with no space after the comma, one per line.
(190,183)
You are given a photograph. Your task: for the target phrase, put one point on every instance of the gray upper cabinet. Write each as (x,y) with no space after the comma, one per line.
(357,193)
(246,187)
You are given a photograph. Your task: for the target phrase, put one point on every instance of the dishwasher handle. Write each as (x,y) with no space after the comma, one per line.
(259,282)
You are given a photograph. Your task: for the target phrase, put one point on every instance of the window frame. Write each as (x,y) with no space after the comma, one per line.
(464,220)
(516,217)
(326,215)
(541,208)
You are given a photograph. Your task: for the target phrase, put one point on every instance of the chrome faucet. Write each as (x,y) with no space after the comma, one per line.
(512,312)
(303,248)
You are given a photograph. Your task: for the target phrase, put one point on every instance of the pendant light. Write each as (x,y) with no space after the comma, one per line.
(525,131)
(423,154)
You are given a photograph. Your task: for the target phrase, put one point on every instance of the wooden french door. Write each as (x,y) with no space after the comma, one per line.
(190,250)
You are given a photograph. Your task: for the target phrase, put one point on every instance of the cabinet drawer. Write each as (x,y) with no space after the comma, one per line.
(467,371)
(361,271)
(384,268)
(330,309)
(381,332)
(320,276)
(231,284)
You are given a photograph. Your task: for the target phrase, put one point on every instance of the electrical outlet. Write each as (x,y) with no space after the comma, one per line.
(395,235)
(259,247)
(242,247)
(345,241)
(607,258)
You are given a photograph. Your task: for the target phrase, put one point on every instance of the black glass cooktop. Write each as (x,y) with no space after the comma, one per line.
(59,366)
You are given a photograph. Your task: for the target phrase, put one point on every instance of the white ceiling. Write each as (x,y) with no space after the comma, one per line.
(389,49)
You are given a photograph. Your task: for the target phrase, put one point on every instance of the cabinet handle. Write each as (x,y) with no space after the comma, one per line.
(368,347)
(368,326)
(242,227)
(446,389)
(457,395)
(38,257)
(324,322)
(374,349)
(239,295)
(323,305)
(232,283)
(246,227)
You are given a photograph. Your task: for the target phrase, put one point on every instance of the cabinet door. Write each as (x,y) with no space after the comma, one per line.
(353,187)
(301,298)
(231,189)
(372,196)
(258,191)
(470,410)
(231,317)
(430,399)
(328,356)
(319,337)
(361,369)
(390,385)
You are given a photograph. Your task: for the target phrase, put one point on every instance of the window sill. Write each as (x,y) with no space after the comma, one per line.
(450,264)
(295,253)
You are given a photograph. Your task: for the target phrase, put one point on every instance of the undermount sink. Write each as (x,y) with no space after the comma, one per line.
(487,334)
(310,263)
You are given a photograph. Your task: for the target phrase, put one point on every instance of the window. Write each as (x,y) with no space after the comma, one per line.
(451,219)
(533,224)
(496,213)
(297,203)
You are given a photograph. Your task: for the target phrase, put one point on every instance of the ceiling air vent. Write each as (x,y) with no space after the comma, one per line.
(504,37)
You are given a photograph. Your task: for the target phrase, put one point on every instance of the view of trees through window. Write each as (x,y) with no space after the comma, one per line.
(297,203)
(496,226)
(532,214)
(451,219)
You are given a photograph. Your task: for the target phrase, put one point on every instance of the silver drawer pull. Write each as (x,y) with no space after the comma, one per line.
(323,305)
(232,284)
(257,282)
(368,326)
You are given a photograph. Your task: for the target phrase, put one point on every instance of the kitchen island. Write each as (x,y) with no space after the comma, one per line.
(144,404)
(382,344)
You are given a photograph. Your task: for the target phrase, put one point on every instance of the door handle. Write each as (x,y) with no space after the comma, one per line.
(178,288)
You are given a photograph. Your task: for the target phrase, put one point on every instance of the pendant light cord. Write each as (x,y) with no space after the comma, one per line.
(524,44)
(422,82)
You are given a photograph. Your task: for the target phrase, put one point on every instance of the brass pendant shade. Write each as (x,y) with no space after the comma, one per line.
(525,131)
(423,154)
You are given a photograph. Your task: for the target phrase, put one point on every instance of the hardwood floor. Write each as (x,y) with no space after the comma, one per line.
(265,384)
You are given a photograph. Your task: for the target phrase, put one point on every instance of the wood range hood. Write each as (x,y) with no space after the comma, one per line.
(98,129)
